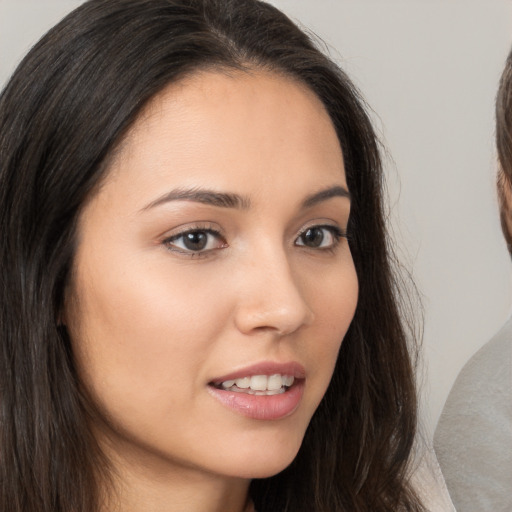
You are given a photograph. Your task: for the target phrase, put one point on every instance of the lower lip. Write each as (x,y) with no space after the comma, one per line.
(261,407)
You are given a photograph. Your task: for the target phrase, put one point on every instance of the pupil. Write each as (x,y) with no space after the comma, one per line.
(195,241)
(313,237)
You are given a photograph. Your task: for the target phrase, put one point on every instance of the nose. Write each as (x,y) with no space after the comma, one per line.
(270,297)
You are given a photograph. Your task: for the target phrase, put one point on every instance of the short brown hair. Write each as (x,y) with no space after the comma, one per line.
(504,147)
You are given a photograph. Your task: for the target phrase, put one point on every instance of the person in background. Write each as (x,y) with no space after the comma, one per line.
(473,439)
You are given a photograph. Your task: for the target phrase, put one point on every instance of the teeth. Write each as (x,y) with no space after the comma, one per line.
(288,380)
(243,383)
(260,384)
(275,382)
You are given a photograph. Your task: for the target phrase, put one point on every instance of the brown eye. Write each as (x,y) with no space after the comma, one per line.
(313,237)
(320,237)
(195,241)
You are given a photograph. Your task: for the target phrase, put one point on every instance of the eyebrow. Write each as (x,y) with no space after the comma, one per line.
(204,196)
(230,200)
(324,195)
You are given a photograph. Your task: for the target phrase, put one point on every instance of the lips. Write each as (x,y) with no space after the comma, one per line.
(265,391)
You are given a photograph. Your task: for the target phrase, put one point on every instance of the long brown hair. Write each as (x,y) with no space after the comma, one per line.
(66,108)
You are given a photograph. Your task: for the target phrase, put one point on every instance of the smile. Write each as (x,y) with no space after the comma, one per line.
(265,391)
(259,384)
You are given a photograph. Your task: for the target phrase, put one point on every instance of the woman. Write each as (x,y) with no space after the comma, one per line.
(192,217)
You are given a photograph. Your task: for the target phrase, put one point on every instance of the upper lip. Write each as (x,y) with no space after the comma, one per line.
(265,368)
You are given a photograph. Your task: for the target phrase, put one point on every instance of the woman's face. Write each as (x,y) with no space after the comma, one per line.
(213,283)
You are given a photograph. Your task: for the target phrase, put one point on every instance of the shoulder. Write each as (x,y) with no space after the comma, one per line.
(492,361)
(482,393)
(485,380)
(473,439)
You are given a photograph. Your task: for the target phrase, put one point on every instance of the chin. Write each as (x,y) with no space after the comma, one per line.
(265,459)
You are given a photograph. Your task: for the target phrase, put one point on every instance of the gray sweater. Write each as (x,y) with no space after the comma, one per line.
(473,439)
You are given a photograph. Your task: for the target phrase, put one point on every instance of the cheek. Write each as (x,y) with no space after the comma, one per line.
(334,299)
(334,303)
(141,353)
(137,336)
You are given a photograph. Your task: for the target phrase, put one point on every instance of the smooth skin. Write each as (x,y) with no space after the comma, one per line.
(155,315)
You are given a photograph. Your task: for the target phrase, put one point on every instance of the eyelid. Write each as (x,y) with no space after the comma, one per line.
(199,225)
(336,232)
(323,223)
(205,227)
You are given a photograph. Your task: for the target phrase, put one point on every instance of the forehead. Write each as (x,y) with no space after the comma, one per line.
(222,130)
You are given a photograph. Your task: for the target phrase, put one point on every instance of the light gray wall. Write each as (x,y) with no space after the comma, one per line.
(430,71)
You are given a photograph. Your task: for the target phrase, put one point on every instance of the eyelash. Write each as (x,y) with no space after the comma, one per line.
(204,229)
(336,233)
